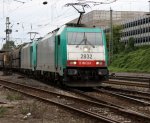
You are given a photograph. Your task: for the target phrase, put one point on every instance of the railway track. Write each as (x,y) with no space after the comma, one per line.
(128,83)
(128,92)
(91,108)
(125,96)
(119,100)
(142,82)
(55,98)
(130,78)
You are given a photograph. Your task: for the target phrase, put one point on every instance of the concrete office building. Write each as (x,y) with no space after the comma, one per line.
(101,18)
(135,23)
(138,28)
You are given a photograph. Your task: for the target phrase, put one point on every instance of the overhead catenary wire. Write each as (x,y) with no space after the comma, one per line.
(19,1)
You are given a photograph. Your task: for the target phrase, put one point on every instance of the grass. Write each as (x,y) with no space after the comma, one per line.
(34,108)
(12,96)
(2,111)
(135,61)
(29,108)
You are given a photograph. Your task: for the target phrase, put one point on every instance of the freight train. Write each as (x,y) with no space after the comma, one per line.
(72,56)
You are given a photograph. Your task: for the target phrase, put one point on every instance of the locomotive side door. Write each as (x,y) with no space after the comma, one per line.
(57,44)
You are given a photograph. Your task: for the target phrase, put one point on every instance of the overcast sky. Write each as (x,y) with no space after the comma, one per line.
(32,15)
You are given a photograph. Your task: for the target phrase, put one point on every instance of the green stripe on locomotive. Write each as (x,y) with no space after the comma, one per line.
(60,50)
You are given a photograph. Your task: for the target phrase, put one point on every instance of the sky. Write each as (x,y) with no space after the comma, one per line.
(33,16)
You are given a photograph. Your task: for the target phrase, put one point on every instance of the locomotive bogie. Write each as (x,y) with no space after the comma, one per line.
(85,77)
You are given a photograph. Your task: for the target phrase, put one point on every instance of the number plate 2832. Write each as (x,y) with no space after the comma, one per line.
(86,56)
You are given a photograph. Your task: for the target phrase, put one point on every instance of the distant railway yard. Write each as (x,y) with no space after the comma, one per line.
(27,100)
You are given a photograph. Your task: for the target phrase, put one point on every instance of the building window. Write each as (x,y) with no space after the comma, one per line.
(136,40)
(149,19)
(146,39)
(136,23)
(139,22)
(146,29)
(138,31)
(143,30)
(146,20)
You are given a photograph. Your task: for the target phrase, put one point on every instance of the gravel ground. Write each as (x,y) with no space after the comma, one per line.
(31,82)
(22,109)
(122,102)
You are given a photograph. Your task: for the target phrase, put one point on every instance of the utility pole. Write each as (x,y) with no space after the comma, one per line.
(7,60)
(149,26)
(111,38)
(8,32)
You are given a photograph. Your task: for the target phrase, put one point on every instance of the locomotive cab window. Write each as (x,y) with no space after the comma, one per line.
(84,38)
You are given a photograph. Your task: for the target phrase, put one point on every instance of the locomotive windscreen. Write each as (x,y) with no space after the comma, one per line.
(84,38)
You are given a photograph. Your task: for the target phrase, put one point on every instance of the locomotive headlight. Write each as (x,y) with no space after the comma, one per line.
(86,49)
(99,63)
(74,62)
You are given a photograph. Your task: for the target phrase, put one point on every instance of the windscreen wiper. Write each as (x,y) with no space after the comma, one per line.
(85,41)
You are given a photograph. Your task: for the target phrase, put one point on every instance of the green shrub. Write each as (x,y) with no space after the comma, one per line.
(134,61)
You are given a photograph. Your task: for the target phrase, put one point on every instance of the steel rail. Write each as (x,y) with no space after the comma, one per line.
(135,84)
(126,90)
(141,94)
(123,96)
(136,96)
(130,77)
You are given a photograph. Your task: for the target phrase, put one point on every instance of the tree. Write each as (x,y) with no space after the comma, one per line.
(8,45)
(121,47)
(130,44)
(117,45)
